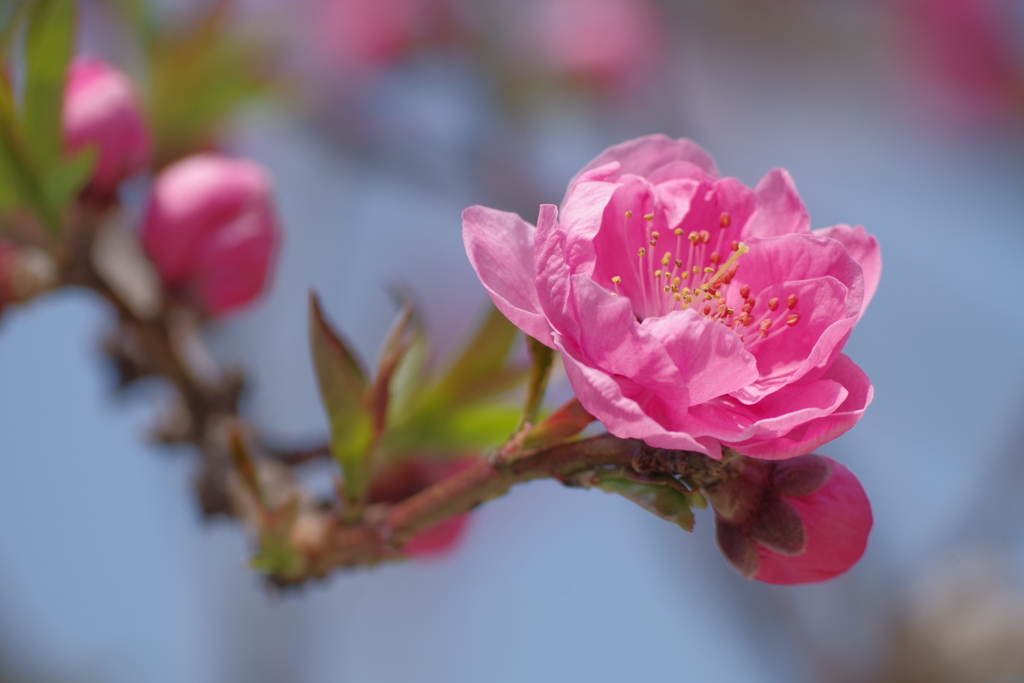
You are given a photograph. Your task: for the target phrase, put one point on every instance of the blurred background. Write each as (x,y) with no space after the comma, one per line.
(380,120)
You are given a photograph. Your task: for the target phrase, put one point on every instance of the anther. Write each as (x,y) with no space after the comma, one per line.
(642,252)
(745,291)
(792,319)
(705,236)
(696,270)
(709,270)
(676,296)
(716,258)
(735,246)
(616,279)
(685,274)
(693,237)
(654,243)
(649,217)
(666,259)
(679,231)
(791,301)
(725,220)
(773,303)
(656,235)
(657,273)
(707,309)
(765,324)
(708,297)
(629,214)
(679,263)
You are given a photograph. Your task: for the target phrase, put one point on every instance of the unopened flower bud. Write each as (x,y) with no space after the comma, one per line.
(100,110)
(398,481)
(801,520)
(211,229)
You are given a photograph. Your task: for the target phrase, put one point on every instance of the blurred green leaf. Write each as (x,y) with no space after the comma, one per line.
(69,177)
(12,14)
(663,500)
(343,388)
(480,369)
(49,44)
(200,73)
(391,355)
(469,429)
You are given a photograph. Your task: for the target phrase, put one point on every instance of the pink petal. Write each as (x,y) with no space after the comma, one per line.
(710,357)
(712,200)
(780,211)
(837,520)
(648,155)
(438,539)
(864,249)
(622,415)
(500,246)
(791,353)
(806,437)
(772,417)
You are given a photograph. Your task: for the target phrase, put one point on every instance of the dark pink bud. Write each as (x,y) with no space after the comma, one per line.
(211,228)
(797,521)
(100,109)
(398,481)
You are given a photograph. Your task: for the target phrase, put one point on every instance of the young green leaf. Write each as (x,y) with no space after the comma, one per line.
(480,370)
(344,390)
(665,501)
(49,44)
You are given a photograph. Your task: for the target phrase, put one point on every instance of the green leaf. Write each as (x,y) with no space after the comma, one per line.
(663,500)
(394,348)
(343,388)
(480,370)
(469,429)
(49,44)
(66,180)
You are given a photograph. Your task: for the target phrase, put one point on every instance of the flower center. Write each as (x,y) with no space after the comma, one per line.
(694,277)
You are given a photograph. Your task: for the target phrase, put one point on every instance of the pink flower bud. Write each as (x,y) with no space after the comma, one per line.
(361,34)
(211,229)
(796,521)
(100,109)
(398,481)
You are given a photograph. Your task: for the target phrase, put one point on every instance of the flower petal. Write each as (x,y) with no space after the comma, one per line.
(837,520)
(780,211)
(648,155)
(864,249)
(710,357)
(806,437)
(625,409)
(500,246)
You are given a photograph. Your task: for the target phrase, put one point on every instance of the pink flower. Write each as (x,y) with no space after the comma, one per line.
(211,228)
(400,480)
(967,50)
(690,311)
(606,43)
(100,109)
(798,521)
(360,34)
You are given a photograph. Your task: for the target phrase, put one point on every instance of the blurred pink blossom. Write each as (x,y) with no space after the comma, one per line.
(796,521)
(605,43)
(361,34)
(967,52)
(690,311)
(211,228)
(400,480)
(100,109)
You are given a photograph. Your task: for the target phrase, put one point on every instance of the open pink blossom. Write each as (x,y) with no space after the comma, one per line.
(211,229)
(690,311)
(801,520)
(100,109)
(606,43)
